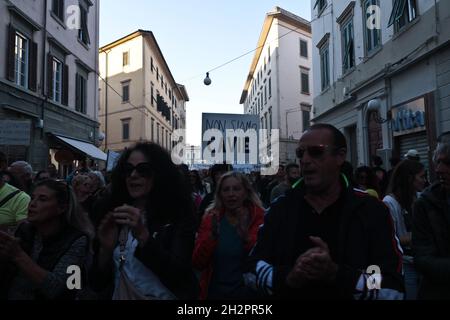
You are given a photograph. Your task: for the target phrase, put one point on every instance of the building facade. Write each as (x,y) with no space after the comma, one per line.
(139,98)
(193,155)
(48,81)
(279,85)
(382,74)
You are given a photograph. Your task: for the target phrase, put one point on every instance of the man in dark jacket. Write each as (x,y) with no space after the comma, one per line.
(323,240)
(431,231)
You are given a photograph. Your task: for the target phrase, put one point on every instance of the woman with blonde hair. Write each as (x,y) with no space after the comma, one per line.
(227,233)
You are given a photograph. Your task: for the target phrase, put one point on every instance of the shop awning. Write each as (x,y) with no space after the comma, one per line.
(87,148)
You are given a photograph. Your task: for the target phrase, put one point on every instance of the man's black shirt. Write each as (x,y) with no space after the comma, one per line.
(324,225)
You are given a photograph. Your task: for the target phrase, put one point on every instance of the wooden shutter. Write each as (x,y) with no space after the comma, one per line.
(65,85)
(77,93)
(32,66)
(11,56)
(50,76)
(84,25)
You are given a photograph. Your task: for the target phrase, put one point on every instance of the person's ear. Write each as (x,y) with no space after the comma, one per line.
(341,154)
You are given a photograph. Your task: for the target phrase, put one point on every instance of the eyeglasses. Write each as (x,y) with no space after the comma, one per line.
(144,169)
(315,152)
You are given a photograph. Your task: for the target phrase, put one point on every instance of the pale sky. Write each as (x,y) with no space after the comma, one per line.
(196,36)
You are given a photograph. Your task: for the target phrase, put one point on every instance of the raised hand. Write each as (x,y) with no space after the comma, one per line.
(9,246)
(313,265)
(134,218)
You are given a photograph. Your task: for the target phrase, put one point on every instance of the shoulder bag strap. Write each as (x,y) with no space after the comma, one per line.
(9,197)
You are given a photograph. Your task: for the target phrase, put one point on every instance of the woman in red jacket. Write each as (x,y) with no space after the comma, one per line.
(227,234)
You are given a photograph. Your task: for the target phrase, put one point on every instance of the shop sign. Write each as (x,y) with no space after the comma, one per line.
(409,118)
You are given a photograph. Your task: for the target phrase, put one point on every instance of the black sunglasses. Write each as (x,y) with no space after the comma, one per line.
(144,169)
(315,152)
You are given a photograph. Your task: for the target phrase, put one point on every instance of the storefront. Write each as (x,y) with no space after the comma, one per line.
(67,153)
(412,129)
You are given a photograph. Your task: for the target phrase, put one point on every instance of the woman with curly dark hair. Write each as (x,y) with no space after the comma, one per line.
(146,235)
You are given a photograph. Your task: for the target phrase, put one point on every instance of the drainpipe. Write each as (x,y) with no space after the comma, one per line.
(437,20)
(106,98)
(44,69)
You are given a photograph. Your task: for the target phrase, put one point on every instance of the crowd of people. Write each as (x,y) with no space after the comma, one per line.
(156,231)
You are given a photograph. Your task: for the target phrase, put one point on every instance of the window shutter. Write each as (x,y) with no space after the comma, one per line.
(87,39)
(50,76)
(65,85)
(11,72)
(77,93)
(32,67)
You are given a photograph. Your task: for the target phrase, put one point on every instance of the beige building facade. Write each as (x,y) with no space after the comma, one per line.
(139,99)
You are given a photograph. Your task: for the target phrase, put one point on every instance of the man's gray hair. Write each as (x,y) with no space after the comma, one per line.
(24,165)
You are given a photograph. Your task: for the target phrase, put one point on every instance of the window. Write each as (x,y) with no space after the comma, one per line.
(151,64)
(303,48)
(403,12)
(265,121)
(162,81)
(57,80)
(83,33)
(372,35)
(304,75)
(268,53)
(320,4)
(306,112)
(58,9)
(157,74)
(152,132)
(126,92)
(348,54)
(270,119)
(21,60)
(157,133)
(270,87)
(81,94)
(265,94)
(167,139)
(126,58)
(126,129)
(152,94)
(325,66)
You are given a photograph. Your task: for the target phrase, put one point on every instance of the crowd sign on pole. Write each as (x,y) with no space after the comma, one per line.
(230,138)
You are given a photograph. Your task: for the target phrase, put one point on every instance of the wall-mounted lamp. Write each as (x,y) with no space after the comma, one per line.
(207,80)
(39,124)
(374,107)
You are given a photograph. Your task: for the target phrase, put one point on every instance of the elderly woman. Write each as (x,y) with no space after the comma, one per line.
(55,237)
(146,235)
(81,185)
(227,233)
